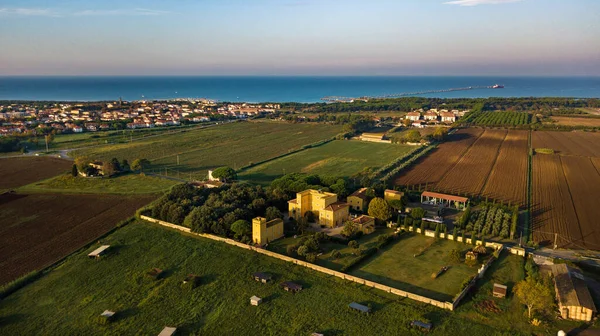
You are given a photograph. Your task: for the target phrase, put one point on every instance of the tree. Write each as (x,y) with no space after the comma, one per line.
(82,162)
(241,228)
(533,294)
(74,170)
(412,136)
(437,232)
(301,225)
(125,166)
(226,174)
(417,213)
(422,227)
(380,209)
(439,133)
(302,250)
(455,256)
(335,254)
(273,213)
(108,169)
(473,239)
(140,164)
(350,229)
(353,244)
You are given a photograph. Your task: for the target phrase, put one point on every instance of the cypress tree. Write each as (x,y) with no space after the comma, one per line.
(437,231)
(473,240)
(422,227)
(74,170)
(463,237)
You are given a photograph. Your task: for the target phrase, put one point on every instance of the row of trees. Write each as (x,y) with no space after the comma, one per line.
(109,168)
(492,219)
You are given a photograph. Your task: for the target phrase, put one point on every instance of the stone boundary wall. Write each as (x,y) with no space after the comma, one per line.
(344,276)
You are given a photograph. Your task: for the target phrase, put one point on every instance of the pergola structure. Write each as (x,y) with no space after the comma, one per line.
(447,201)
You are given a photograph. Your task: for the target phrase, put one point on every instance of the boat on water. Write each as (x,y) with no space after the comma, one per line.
(498,86)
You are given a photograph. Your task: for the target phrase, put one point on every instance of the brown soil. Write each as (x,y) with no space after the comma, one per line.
(17,172)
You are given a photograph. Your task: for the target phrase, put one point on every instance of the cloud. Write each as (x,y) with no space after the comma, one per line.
(28,12)
(479,2)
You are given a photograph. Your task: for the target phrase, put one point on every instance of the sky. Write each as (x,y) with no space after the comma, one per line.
(300,37)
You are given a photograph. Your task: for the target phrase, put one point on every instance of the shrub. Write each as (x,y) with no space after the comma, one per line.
(311,257)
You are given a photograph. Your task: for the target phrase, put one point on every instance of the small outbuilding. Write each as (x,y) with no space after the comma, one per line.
(572,293)
(255,300)
(480,249)
(291,286)
(262,277)
(155,273)
(106,317)
(499,291)
(361,308)
(97,253)
(168,331)
(471,255)
(421,325)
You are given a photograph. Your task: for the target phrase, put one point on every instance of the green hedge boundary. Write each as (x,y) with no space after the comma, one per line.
(369,252)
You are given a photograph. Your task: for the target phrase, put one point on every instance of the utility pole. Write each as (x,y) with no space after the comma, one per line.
(46,138)
(555,240)
(178,159)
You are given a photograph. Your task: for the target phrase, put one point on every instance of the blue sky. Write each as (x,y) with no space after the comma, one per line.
(300,37)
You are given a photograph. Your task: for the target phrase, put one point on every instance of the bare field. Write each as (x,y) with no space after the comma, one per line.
(470,174)
(37,230)
(16,172)
(568,121)
(433,167)
(568,143)
(508,180)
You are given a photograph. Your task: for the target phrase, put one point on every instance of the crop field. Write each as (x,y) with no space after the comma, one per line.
(398,267)
(471,172)
(433,167)
(574,121)
(508,179)
(124,184)
(339,158)
(37,230)
(16,172)
(69,299)
(235,145)
(501,119)
(568,143)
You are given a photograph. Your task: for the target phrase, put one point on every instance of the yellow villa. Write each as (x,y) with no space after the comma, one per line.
(264,232)
(359,200)
(324,205)
(365,223)
(392,195)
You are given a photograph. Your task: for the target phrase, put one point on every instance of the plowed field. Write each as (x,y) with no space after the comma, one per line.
(470,174)
(16,172)
(568,143)
(431,169)
(37,230)
(508,180)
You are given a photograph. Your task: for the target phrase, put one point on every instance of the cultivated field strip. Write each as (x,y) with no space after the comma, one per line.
(434,166)
(584,184)
(508,179)
(17,172)
(553,210)
(469,175)
(568,143)
(37,230)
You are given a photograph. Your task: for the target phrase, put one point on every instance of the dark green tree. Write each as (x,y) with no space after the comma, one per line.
(74,171)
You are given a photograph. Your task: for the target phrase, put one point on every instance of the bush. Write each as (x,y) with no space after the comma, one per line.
(19,283)
(311,257)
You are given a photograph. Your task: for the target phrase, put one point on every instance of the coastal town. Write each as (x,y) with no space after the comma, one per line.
(23,118)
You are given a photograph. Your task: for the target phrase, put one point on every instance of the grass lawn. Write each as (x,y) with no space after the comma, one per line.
(396,266)
(125,184)
(235,145)
(69,299)
(341,158)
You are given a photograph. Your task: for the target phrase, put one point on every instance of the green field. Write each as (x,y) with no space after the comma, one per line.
(397,267)
(340,158)
(125,184)
(69,299)
(235,144)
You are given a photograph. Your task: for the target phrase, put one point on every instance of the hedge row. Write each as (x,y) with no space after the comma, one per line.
(394,172)
(381,171)
(367,253)
(19,283)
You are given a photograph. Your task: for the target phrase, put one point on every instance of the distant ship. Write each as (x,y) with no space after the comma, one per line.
(498,86)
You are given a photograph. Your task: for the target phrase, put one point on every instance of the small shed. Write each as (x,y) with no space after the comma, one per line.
(361,308)
(291,286)
(480,249)
(97,253)
(168,331)
(155,273)
(255,300)
(471,255)
(262,277)
(106,317)
(421,325)
(499,290)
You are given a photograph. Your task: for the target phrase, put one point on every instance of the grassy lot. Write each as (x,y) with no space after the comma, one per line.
(325,260)
(69,298)
(235,144)
(343,158)
(125,184)
(397,267)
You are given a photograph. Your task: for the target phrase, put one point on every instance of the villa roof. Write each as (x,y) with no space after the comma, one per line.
(571,288)
(360,193)
(445,197)
(390,191)
(294,201)
(336,206)
(363,219)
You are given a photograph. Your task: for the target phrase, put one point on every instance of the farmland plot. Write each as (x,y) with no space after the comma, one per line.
(568,143)
(584,184)
(38,230)
(508,180)
(553,208)
(435,165)
(470,174)
(16,172)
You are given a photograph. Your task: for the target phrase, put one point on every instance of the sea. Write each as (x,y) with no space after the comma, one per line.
(301,89)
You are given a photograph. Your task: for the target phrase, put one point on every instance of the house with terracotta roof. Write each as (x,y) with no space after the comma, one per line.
(324,205)
(414,116)
(430,116)
(448,117)
(365,223)
(359,200)
(447,201)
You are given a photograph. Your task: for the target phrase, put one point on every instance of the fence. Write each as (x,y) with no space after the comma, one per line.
(388,289)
